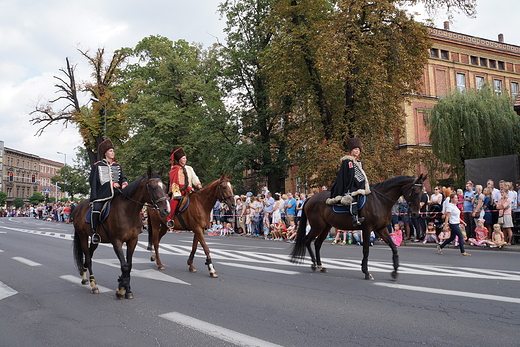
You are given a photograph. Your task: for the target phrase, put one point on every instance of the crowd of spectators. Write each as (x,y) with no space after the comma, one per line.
(53,212)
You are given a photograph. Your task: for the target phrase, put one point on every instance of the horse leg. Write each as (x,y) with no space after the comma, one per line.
(123,289)
(88,265)
(308,241)
(383,233)
(366,251)
(317,246)
(209,263)
(162,229)
(192,254)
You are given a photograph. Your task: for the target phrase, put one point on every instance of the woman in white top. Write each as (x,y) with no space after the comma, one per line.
(436,197)
(452,217)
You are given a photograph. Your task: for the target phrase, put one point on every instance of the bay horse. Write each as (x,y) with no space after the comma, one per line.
(194,215)
(122,225)
(377,212)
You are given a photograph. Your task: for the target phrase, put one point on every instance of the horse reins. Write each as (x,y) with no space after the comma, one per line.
(224,198)
(410,188)
(154,205)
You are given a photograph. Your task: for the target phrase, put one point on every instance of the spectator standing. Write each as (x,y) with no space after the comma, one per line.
(488,219)
(452,217)
(299,208)
(495,196)
(504,211)
(478,204)
(268,206)
(290,207)
(436,197)
(512,195)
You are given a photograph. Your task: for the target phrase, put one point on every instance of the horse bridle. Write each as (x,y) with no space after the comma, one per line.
(154,205)
(222,197)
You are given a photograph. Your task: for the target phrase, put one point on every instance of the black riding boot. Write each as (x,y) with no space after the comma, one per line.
(356,220)
(94,221)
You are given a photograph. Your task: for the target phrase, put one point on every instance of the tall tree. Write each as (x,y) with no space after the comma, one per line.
(67,108)
(174,100)
(264,148)
(349,65)
(462,121)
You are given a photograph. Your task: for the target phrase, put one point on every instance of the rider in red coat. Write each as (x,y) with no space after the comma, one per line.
(182,180)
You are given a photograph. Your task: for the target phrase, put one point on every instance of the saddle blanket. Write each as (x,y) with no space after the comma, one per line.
(104,213)
(346,209)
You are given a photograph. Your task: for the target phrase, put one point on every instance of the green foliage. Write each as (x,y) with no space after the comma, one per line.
(3,198)
(37,198)
(473,124)
(18,202)
(174,100)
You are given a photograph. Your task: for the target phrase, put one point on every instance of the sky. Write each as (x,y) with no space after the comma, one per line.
(37,36)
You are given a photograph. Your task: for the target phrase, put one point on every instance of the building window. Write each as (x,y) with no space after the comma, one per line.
(434,53)
(497,84)
(461,82)
(492,64)
(501,65)
(479,82)
(445,55)
(483,62)
(514,90)
(474,60)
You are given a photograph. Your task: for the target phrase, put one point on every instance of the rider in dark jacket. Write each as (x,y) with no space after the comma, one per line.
(351,181)
(105,176)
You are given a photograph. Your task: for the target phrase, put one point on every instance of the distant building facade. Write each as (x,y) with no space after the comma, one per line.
(23,174)
(458,61)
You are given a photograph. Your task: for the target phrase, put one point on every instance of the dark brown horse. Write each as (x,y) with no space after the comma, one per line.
(122,225)
(194,215)
(377,212)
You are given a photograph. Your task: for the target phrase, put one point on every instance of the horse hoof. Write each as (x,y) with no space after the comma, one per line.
(129,295)
(84,281)
(94,291)
(394,275)
(160,267)
(120,293)
(313,267)
(369,277)
(324,270)
(152,258)
(213,275)
(192,269)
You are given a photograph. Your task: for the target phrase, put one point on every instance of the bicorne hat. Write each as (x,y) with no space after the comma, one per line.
(104,147)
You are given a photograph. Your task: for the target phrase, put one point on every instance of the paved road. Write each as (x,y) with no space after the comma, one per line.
(259,298)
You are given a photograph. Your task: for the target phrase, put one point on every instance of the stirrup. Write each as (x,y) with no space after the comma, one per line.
(96,239)
(170,224)
(360,220)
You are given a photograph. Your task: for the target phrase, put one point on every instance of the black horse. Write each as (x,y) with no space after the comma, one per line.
(123,225)
(377,212)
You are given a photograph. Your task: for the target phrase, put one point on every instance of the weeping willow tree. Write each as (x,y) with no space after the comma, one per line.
(473,124)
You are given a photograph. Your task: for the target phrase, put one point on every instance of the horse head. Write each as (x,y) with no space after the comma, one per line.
(226,191)
(413,195)
(157,193)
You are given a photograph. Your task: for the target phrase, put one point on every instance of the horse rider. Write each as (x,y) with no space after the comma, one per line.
(182,181)
(351,181)
(105,176)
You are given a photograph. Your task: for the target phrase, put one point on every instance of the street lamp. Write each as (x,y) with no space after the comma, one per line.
(104,114)
(64,174)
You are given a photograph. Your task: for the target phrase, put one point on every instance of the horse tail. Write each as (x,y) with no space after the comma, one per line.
(298,252)
(78,252)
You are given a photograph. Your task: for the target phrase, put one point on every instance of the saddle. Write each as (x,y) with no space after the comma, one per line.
(105,211)
(346,209)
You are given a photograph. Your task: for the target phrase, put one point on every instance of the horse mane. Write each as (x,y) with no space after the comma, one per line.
(132,187)
(391,182)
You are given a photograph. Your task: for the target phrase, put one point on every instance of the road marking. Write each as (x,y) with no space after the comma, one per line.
(215,330)
(451,292)
(148,273)
(26,261)
(6,291)
(259,268)
(77,280)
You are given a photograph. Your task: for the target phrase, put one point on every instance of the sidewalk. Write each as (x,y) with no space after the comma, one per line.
(467,246)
